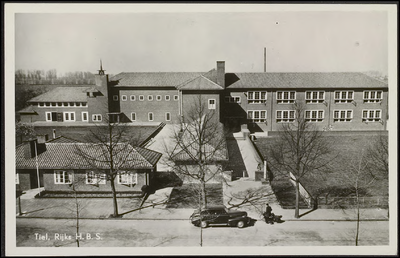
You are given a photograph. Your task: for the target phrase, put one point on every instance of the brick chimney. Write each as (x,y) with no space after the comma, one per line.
(34,146)
(221,73)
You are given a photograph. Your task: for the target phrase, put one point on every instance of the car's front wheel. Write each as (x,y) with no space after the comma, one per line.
(204,224)
(240,224)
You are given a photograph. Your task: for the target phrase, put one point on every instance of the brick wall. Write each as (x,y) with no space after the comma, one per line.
(192,98)
(41,113)
(24,181)
(158,101)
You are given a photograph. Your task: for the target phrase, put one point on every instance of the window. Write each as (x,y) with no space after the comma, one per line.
(52,104)
(372,96)
(133,97)
(314,115)
(257,116)
(124,98)
(211,104)
(47,104)
(283,97)
(176,97)
(94,178)
(372,115)
(284,116)
(167,97)
(41,104)
(229,99)
(141,97)
(69,116)
(315,97)
(85,116)
(151,116)
(255,97)
(97,118)
(344,96)
(17,178)
(133,116)
(159,98)
(84,104)
(48,117)
(115,97)
(167,116)
(342,115)
(150,97)
(72,104)
(127,178)
(63,176)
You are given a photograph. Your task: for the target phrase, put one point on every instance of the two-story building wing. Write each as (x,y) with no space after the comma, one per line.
(338,101)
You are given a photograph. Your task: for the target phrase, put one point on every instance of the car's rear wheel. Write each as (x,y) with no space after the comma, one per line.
(240,224)
(204,224)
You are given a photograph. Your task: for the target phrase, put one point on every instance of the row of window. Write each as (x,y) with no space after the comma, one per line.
(260,116)
(141,97)
(67,177)
(287,97)
(150,116)
(62,104)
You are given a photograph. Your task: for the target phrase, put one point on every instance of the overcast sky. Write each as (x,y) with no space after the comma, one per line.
(129,42)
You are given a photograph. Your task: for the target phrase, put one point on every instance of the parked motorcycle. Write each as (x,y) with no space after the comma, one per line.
(271,219)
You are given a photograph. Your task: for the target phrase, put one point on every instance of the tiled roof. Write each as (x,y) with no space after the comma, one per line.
(28,110)
(63,94)
(151,156)
(155,79)
(301,80)
(85,156)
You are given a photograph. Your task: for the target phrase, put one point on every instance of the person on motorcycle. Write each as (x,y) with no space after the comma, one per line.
(268,211)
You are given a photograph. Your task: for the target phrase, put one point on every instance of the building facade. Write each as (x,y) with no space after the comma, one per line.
(333,101)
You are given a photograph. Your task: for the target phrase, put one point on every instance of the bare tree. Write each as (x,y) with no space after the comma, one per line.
(299,150)
(23,131)
(111,152)
(198,153)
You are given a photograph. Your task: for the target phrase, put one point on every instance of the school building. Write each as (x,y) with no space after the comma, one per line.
(333,101)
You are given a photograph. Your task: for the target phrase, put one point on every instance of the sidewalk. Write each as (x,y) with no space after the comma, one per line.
(101,208)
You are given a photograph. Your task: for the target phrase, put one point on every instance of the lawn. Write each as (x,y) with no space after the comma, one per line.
(186,196)
(346,149)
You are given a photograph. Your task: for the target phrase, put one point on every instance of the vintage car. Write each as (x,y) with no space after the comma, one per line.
(219,215)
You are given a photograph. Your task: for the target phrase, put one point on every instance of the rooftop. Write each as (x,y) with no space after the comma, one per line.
(64,155)
(63,94)
(302,80)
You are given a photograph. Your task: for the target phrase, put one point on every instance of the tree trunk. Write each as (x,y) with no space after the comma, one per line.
(203,194)
(114,196)
(296,210)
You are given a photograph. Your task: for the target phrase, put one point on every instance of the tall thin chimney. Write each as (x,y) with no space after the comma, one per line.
(265,60)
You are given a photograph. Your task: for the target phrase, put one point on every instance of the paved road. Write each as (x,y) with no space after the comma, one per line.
(152,233)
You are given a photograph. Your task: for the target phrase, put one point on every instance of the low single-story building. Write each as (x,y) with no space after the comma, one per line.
(62,163)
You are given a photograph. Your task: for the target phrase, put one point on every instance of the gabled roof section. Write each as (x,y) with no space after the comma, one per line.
(63,94)
(28,110)
(72,156)
(203,82)
(153,79)
(302,80)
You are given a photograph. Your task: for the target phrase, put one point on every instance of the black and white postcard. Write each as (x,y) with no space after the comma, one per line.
(199,129)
